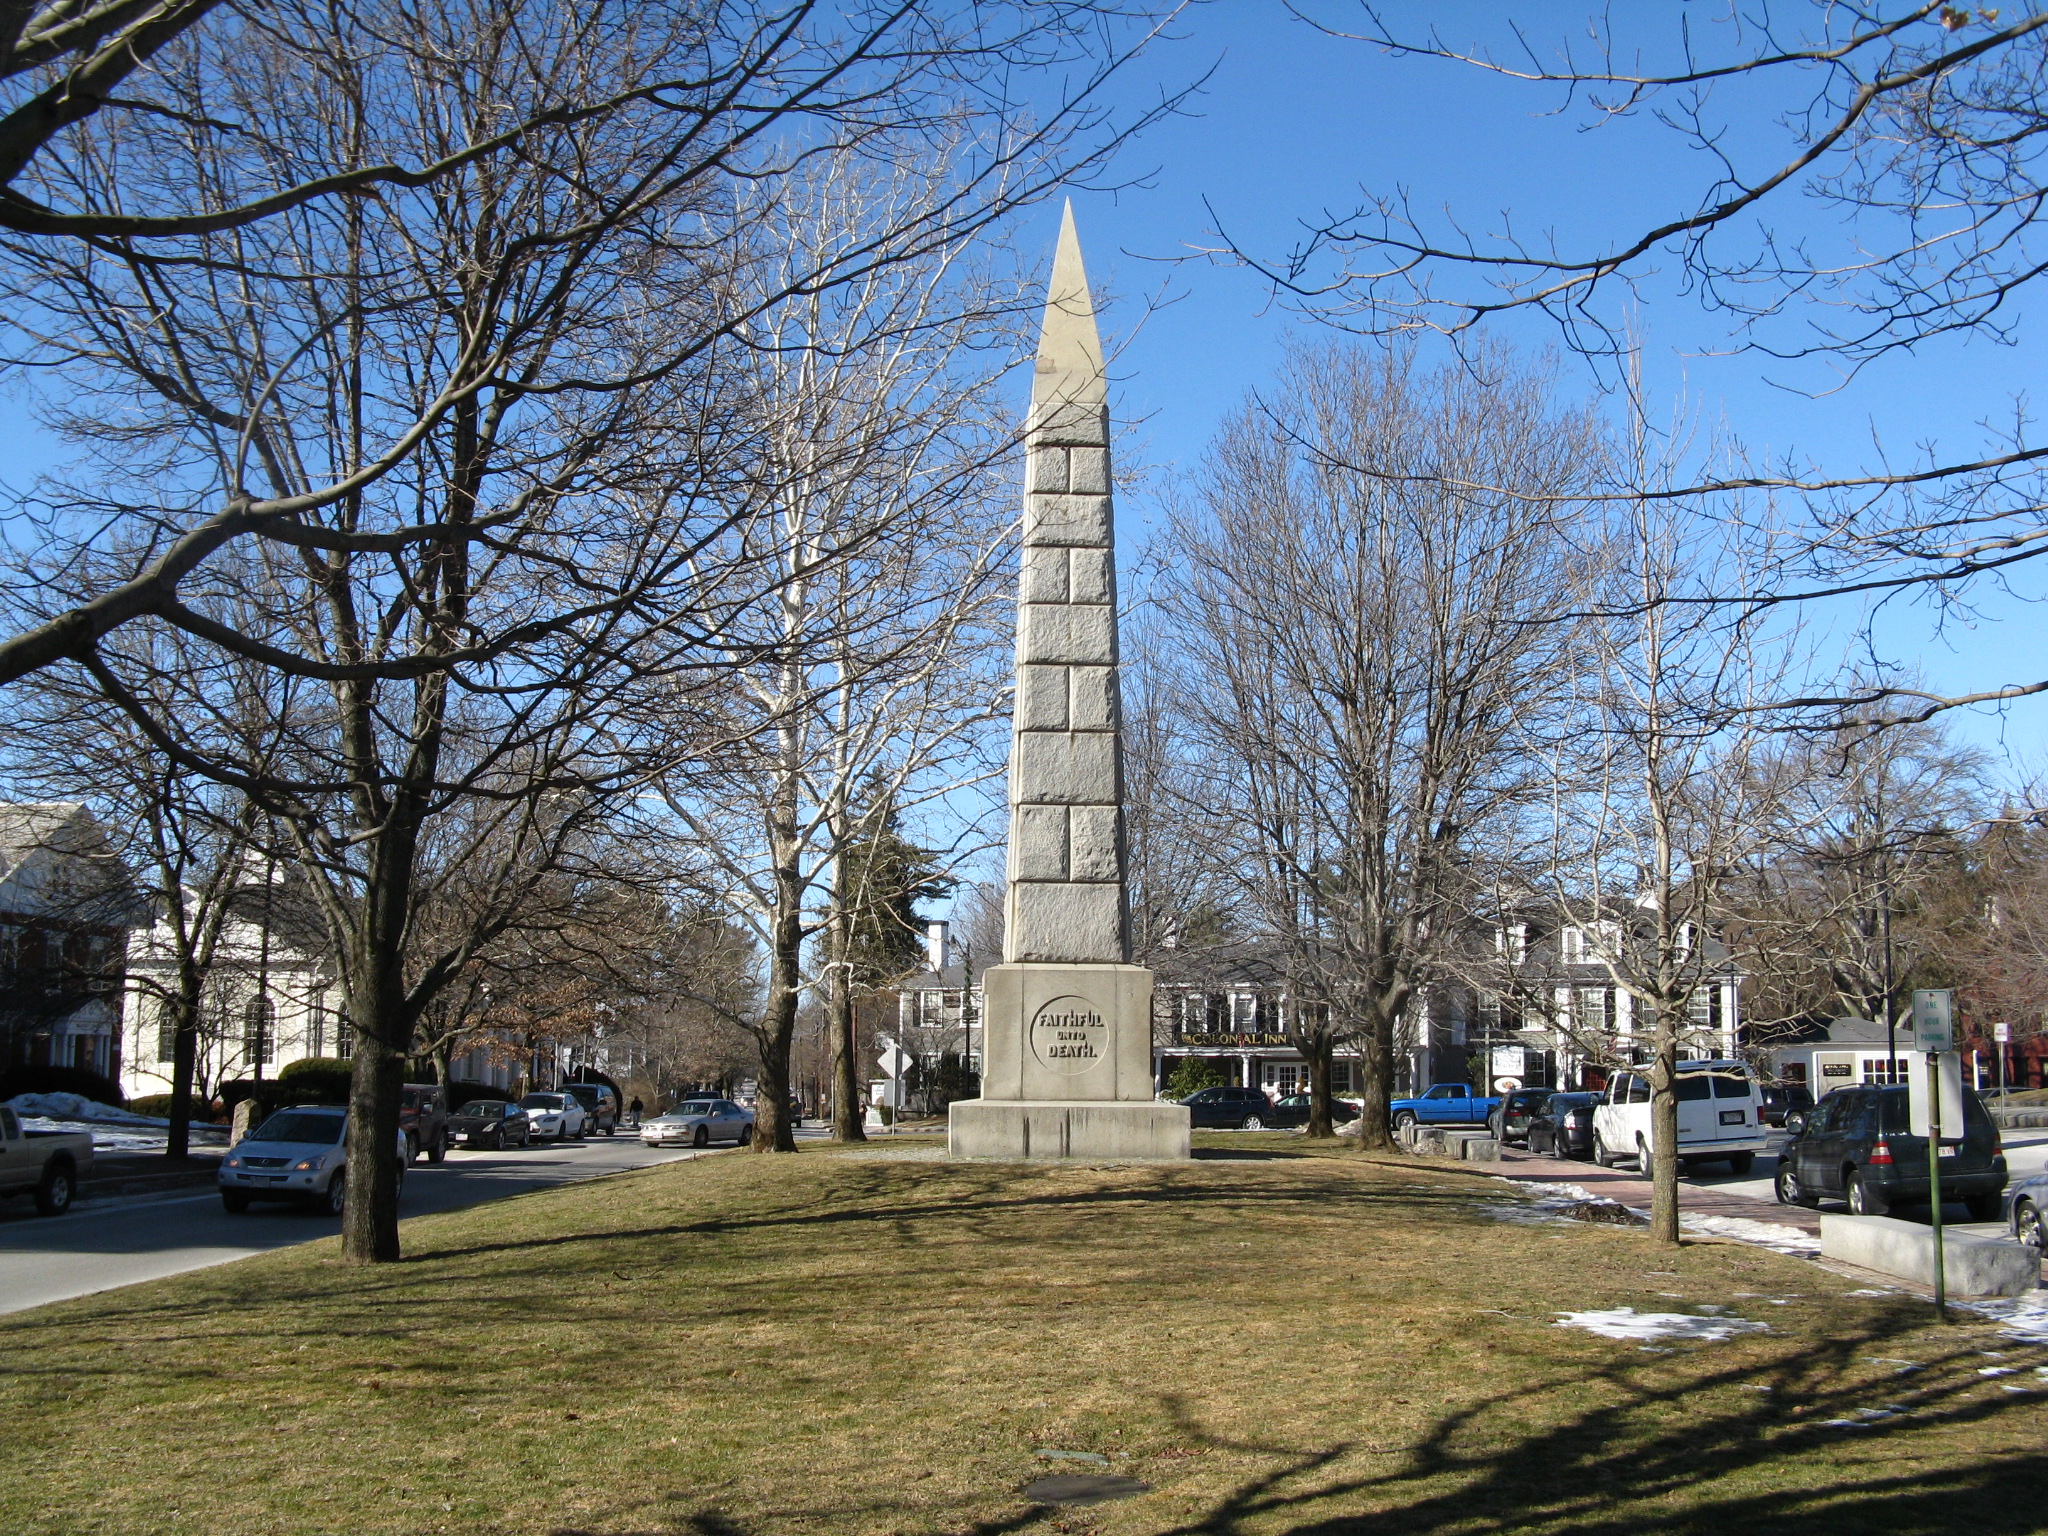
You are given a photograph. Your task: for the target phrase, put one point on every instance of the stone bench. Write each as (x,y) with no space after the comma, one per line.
(1972,1265)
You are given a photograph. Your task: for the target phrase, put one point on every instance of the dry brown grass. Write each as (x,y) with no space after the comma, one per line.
(1293,1342)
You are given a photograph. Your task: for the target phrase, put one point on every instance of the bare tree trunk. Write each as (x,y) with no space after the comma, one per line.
(1375,1131)
(184,1067)
(1664,1132)
(1316,1050)
(848,1112)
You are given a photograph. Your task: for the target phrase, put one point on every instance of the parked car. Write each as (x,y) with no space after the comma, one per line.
(490,1123)
(698,1123)
(423,1116)
(1510,1120)
(1786,1104)
(599,1103)
(2026,1210)
(1229,1109)
(299,1154)
(1443,1104)
(1719,1117)
(555,1116)
(1856,1147)
(1293,1110)
(46,1164)
(1563,1126)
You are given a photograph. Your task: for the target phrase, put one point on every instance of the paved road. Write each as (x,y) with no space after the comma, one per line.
(99,1246)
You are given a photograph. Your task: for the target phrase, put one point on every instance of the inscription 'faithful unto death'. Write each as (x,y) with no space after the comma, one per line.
(1069,1035)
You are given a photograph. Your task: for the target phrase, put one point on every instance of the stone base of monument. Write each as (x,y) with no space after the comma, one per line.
(1052,1129)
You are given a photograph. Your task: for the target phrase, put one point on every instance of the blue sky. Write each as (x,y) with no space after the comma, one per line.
(1293,122)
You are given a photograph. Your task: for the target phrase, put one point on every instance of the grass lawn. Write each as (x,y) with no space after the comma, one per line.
(1274,1339)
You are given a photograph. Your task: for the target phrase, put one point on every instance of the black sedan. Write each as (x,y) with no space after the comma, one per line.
(1293,1110)
(489,1123)
(1563,1126)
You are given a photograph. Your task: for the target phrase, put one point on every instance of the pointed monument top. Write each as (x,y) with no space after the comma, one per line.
(1069,347)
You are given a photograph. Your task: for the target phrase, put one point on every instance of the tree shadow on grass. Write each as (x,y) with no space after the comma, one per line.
(1683,1444)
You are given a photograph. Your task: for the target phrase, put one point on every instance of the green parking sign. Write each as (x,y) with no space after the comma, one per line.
(1934,1027)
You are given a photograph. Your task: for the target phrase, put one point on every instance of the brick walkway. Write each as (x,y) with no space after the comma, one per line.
(1630,1188)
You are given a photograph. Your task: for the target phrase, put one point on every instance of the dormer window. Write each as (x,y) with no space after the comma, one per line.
(1511,942)
(1571,945)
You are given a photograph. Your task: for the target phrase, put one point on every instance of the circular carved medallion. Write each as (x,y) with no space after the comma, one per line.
(1069,1036)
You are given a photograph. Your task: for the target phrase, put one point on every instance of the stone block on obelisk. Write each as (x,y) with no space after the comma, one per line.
(1067,1038)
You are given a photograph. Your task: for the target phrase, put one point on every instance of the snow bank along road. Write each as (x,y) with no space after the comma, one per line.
(100,1246)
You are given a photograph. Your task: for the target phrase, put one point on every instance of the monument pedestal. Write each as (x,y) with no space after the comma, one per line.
(1022,1128)
(1067,1068)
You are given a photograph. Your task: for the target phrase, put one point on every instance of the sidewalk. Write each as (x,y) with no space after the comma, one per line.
(1630,1188)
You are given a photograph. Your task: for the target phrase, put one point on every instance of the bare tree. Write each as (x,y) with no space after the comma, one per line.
(1662,794)
(1364,652)
(1909,128)
(512,522)
(867,690)
(1853,895)
(282,155)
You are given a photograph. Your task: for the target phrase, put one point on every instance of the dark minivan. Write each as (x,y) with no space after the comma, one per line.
(1855,1147)
(600,1103)
(1234,1109)
(1510,1122)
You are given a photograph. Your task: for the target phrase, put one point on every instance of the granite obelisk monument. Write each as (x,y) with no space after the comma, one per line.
(1067,1039)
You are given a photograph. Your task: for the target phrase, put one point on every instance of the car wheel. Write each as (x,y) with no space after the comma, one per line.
(1404,1120)
(1643,1160)
(1742,1162)
(1865,1199)
(611,1130)
(1982,1207)
(1601,1156)
(746,1138)
(233,1201)
(2026,1225)
(702,1136)
(438,1153)
(1789,1190)
(337,1193)
(412,1149)
(59,1187)
(1252,1123)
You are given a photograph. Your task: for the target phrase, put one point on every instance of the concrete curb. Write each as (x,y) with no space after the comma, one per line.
(1973,1265)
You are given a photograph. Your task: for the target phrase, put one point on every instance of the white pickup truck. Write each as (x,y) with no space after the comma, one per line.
(46,1164)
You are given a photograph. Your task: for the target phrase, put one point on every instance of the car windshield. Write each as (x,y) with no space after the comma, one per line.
(303,1128)
(541,1101)
(696,1107)
(481,1109)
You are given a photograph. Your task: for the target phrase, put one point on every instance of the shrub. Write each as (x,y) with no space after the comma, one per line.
(87,1085)
(158,1105)
(317,1080)
(1192,1076)
(270,1095)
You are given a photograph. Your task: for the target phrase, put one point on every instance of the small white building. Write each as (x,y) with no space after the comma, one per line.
(271,997)
(1855,1051)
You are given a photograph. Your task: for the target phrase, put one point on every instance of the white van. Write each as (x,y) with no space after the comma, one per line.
(1720,1117)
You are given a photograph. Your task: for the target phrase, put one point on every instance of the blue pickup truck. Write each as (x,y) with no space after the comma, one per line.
(1445,1104)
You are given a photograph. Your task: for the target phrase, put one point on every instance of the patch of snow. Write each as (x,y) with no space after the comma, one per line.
(71,1106)
(1773,1235)
(1866,1418)
(2025,1317)
(1870,1293)
(1997,1370)
(1628,1323)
